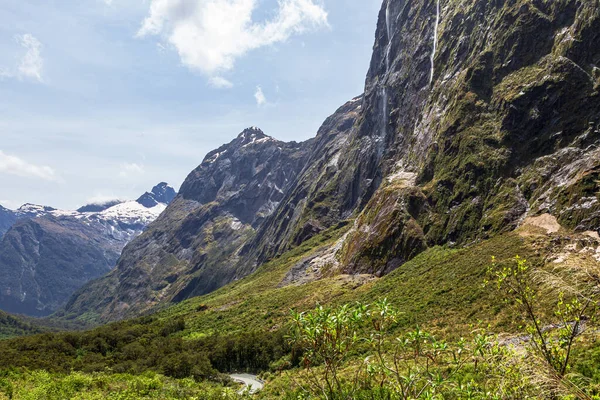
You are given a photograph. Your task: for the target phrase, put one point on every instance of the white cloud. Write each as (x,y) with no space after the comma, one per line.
(14,165)
(131,169)
(220,83)
(31,64)
(210,35)
(260,96)
(102,199)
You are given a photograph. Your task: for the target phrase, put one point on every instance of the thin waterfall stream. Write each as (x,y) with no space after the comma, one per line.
(435,41)
(384,91)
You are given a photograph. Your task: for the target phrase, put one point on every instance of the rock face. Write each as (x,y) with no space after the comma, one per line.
(7,219)
(476,115)
(324,193)
(47,254)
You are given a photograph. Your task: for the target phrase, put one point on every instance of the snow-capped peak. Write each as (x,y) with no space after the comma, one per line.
(141,212)
(133,211)
(33,210)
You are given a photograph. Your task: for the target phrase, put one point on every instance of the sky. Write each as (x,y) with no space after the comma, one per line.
(103,99)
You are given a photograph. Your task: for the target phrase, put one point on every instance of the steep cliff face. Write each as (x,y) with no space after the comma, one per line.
(490,113)
(193,247)
(317,200)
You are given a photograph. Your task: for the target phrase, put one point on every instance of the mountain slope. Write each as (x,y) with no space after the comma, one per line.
(48,254)
(7,219)
(192,248)
(316,201)
(11,326)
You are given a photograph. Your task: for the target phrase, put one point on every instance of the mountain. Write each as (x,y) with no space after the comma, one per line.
(161,193)
(476,116)
(193,247)
(47,254)
(485,118)
(7,219)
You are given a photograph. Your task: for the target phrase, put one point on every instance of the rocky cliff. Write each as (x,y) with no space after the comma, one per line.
(475,115)
(489,112)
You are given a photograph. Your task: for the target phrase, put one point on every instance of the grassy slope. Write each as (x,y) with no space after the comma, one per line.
(441,287)
(102,386)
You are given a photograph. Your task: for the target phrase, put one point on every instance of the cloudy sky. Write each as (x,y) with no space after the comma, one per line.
(105,98)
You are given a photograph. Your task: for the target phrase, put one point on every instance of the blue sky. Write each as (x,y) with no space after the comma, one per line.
(105,98)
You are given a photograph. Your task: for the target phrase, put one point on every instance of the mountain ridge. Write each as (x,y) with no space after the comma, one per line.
(47,254)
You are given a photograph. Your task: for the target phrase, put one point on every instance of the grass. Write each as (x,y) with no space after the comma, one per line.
(441,286)
(35,385)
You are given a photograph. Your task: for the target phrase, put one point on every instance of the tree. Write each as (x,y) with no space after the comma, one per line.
(576,293)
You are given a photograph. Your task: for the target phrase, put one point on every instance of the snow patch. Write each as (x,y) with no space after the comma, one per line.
(214,158)
(133,212)
(236,224)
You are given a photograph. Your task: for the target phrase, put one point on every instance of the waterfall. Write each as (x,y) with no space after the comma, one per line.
(435,41)
(385,111)
(387,20)
(384,92)
(387,59)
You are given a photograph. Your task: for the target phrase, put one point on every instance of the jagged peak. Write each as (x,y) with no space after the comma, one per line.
(161,185)
(252,135)
(253,130)
(161,193)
